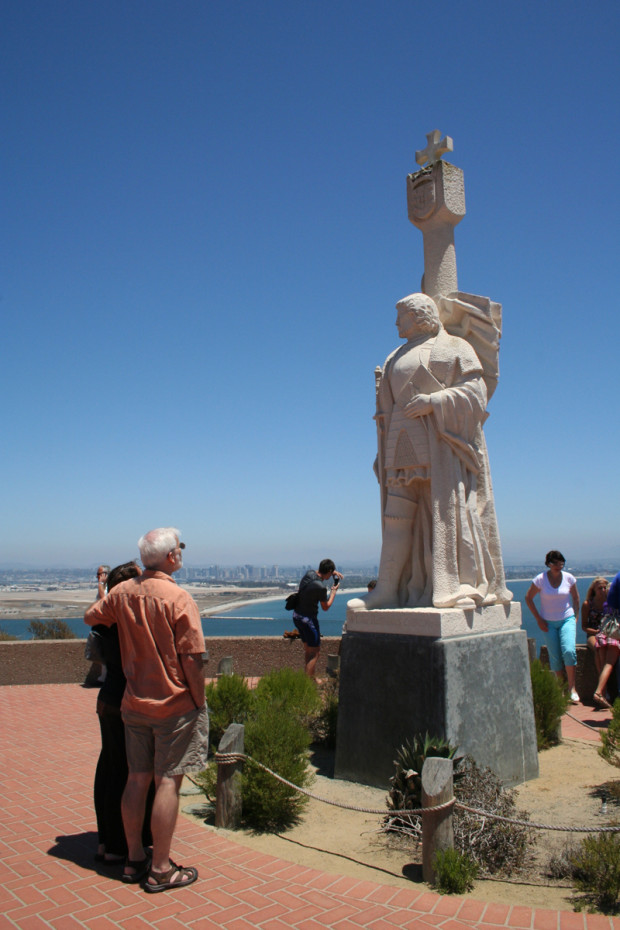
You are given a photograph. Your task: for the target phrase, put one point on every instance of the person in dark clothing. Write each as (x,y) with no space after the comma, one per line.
(111,772)
(312,592)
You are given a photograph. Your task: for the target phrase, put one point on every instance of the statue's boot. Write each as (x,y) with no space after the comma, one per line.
(395,553)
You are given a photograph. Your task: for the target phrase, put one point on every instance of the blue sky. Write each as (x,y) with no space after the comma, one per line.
(205,233)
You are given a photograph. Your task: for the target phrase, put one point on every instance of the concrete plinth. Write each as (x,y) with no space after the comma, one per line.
(459,674)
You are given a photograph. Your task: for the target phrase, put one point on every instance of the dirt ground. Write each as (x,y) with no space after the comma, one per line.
(332,839)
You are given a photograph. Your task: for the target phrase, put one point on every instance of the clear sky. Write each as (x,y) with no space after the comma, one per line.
(204,233)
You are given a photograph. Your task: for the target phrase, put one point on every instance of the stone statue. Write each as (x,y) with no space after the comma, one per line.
(440,540)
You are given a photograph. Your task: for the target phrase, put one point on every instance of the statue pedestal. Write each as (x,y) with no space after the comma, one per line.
(461,674)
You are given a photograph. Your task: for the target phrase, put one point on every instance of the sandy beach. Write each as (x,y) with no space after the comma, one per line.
(72,602)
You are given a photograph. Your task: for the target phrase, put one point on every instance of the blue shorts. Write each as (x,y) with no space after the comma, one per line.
(309,631)
(560,642)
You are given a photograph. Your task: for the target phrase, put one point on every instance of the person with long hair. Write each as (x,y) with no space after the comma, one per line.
(559,606)
(608,641)
(591,616)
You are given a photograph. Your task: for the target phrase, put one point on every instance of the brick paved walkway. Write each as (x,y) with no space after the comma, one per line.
(48,878)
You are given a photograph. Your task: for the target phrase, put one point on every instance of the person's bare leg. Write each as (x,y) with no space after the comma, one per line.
(311,658)
(598,654)
(570,677)
(611,657)
(164,818)
(132,807)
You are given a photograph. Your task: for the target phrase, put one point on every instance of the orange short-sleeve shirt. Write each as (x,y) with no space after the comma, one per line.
(157,623)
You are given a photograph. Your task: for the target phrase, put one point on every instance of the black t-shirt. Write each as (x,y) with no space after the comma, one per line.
(312,591)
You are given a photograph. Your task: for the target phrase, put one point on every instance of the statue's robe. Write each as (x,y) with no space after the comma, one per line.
(440,460)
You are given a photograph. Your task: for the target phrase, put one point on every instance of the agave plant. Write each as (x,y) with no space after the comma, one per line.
(406,784)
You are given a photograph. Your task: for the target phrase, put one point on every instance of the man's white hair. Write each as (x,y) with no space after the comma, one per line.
(425,311)
(155,545)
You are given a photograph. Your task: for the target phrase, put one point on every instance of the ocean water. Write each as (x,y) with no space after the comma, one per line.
(269,618)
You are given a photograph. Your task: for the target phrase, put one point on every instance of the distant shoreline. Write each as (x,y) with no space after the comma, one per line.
(70,603)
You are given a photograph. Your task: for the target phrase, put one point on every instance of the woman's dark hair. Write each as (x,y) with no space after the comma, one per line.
(326,567)
(122,573)
(552,556)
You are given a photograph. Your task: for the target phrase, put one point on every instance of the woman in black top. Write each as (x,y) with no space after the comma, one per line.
(111,773)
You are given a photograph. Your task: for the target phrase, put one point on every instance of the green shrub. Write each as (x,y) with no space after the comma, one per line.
(455,872)
(294,691)
(207,781)
(274,716)
(610,738)
(50,629)
(5,637)
(276,738)
(550,703)
(597,873)
(229,701)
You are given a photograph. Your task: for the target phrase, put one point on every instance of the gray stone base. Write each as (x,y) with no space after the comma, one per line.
(472,689)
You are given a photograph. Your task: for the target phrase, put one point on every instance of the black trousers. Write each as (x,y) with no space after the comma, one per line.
(110,781)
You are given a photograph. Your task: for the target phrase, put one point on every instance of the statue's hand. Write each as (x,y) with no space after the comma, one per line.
(420,406)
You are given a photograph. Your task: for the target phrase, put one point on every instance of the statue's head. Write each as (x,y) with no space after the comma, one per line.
(421,312)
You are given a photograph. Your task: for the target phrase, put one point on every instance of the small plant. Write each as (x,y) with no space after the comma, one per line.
(292,690)
(6,637)
(406,783)
(50,629)
(493,845)
(276,738)
(562,865)
(455,872)
(275,717)
(597,873)
(207,781)
(229,701)
(550,703)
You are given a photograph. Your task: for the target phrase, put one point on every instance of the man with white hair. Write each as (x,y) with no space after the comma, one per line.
(164,708)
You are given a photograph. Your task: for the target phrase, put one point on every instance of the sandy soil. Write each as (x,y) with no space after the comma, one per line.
(349,843)
(72,602)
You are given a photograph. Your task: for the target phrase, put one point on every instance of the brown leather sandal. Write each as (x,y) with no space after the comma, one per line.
(600,701)
(185,875)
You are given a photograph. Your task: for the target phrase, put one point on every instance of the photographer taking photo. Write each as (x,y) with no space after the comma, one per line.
(312,592)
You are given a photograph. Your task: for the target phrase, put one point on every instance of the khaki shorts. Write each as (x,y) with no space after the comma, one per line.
(167,746)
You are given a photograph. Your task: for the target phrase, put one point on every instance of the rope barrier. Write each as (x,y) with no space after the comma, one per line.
(225,758)
(228,758)
(582,722)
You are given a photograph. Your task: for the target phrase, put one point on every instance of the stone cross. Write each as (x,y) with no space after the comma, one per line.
(436,203)
(434,148)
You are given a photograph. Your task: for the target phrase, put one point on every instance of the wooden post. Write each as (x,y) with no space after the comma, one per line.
(228,796)
(437,830)
(531,648)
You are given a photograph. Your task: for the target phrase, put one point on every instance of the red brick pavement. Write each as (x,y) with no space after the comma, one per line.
(48,877)
(594,719)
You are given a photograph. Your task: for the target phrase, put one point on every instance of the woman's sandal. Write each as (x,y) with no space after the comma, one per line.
(163,880)
(141,869)
(600,701)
